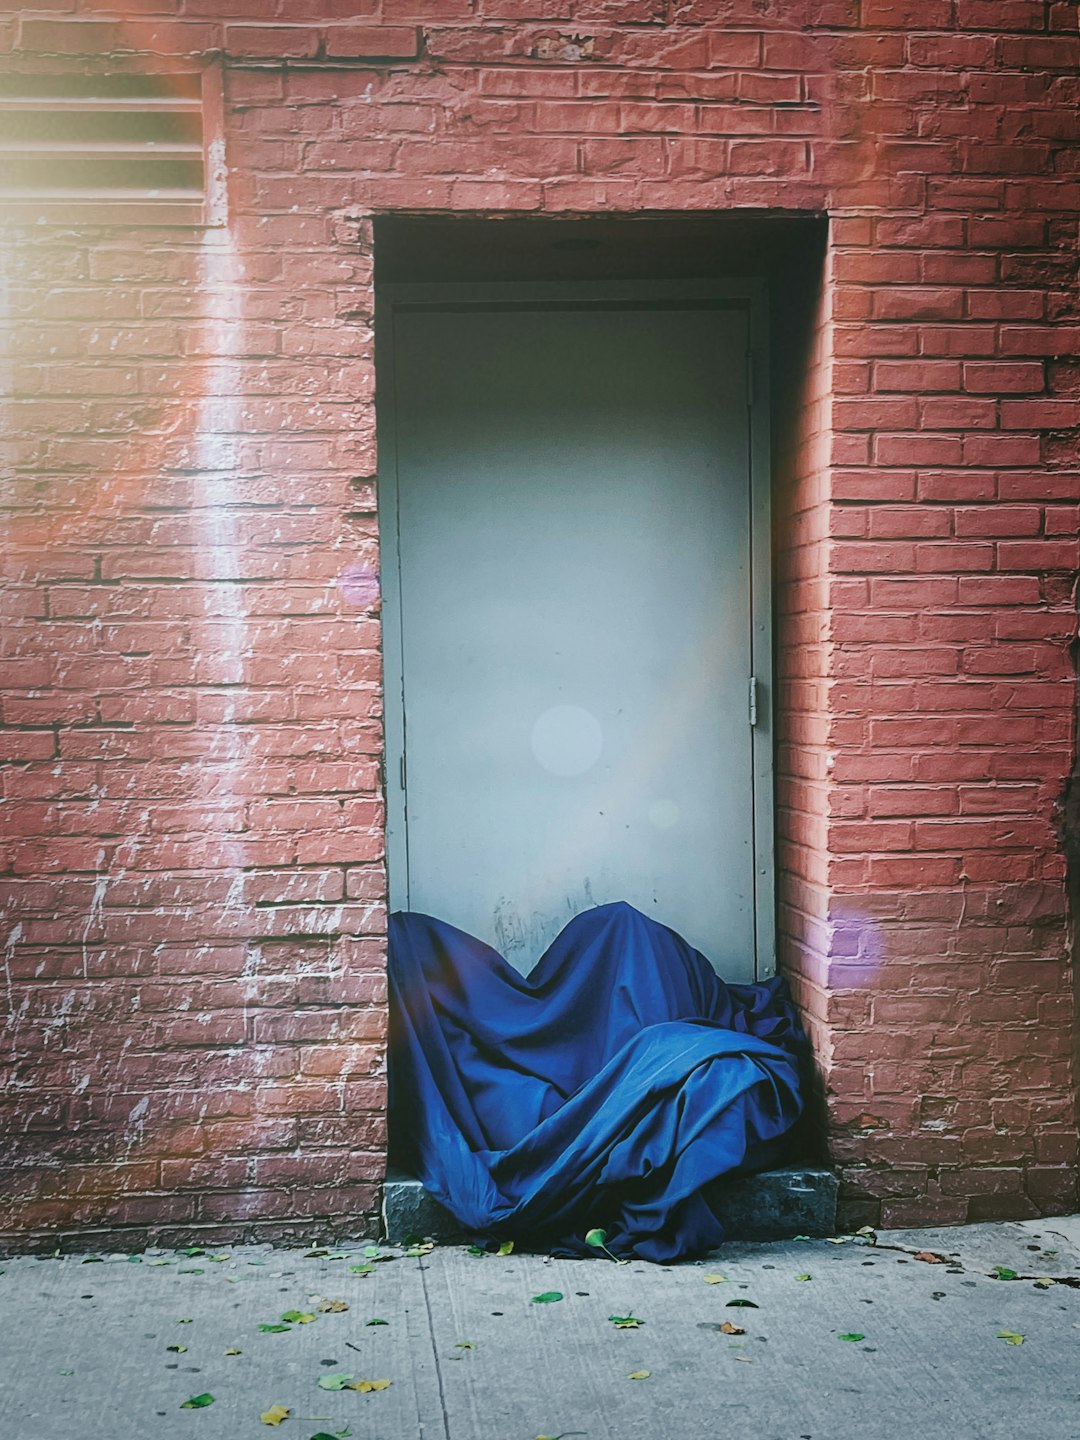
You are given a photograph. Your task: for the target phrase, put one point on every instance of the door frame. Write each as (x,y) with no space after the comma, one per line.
(749,295)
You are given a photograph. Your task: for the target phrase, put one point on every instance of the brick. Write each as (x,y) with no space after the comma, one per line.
(918,303)
(272,41)
(362,42)
(71,36)
(917,375)
(993,377)
(1039,414)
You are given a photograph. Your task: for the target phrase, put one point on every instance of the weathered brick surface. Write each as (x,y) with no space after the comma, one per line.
(191,868)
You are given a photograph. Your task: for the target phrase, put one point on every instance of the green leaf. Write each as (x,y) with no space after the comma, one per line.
(298,1317)
(134,1259)
(377,1321)
(800,1237)
(361,1269)
(475,1250)
(804,1277)
(548,1297)
(197,1402)
(159,1262)
(465,1345)
(626,1322)
(185,1321)
(337,1381)
(191,1270)
(1002,1272)
(742,1305)
(192,1251)
(1011,1337)
(506,1248)
(275,1329)
(853,1335)
(373,1252)
(596,1239)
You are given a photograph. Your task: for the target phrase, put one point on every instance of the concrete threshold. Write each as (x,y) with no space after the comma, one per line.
(771,1205)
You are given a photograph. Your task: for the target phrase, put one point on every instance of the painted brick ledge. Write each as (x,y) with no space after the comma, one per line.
(772,1205)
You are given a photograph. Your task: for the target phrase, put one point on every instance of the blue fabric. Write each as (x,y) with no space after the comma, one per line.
(608,1088)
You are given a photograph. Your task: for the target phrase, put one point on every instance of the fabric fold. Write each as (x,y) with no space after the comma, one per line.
(609,1087)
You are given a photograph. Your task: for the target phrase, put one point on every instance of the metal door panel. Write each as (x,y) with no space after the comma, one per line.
(573,616)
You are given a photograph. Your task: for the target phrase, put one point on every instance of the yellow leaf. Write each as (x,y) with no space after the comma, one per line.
(275,1415)
(727,1328)
(639,1374)
(1010,1337)
(333,1307)
(1044,1282)
(715,1279)
(465,1345)
(366,1386)
(506,1248)
(234,1352)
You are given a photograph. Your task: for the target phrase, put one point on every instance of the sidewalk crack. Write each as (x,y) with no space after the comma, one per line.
(435,1352)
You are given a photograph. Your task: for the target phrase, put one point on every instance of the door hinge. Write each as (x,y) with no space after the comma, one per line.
(750,378)
(753,699)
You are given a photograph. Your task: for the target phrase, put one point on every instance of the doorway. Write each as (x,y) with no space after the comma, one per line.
(574,518)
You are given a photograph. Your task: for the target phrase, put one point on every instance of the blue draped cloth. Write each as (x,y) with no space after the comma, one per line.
(607,1089)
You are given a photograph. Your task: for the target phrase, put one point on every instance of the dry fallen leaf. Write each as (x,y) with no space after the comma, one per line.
(929,1258)
(366,1386)
(332,1307)
(234,1352)
(728,1329)
(715,1279)
(275,1415)
(639,1374)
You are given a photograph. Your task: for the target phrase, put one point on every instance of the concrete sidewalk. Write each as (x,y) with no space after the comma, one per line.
(842,1341)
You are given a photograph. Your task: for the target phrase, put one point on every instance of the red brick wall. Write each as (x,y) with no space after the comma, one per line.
(191,875)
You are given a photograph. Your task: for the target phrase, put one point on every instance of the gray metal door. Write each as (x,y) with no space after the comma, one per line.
(571,617)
